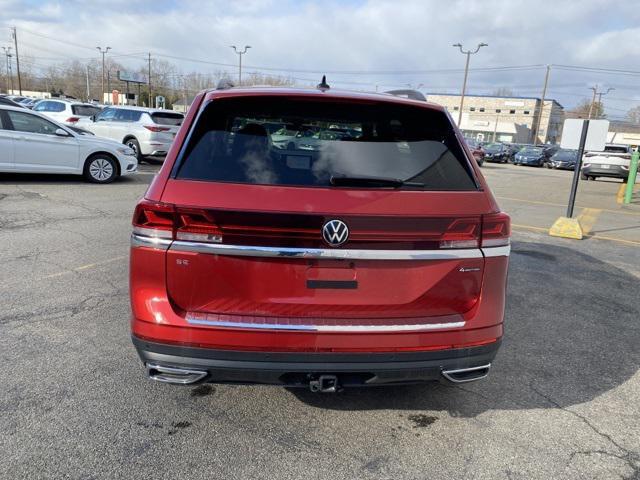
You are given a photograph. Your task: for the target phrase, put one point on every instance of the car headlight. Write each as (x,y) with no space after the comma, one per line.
(126,151)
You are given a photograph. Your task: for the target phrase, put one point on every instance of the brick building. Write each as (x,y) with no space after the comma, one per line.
(505,119)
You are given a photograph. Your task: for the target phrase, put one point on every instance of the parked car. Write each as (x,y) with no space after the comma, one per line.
(564,159)
(147,131)
(369,261)
(29,102)
(476,150)
(68,112)
(613,162)
(33,143)
(4,100)
(532,156)
(496,152)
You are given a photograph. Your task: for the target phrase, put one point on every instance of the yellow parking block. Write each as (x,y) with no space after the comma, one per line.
(576,228)
(588,218)
(566,227)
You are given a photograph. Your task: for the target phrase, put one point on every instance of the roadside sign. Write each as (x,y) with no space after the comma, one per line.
(596,136)
(132,77)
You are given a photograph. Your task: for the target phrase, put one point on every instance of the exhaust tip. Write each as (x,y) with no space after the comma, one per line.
(463,375)
(175,375)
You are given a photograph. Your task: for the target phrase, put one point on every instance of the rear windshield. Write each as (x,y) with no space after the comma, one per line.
(85,110)
(614,149)
(325,144)
(166,118)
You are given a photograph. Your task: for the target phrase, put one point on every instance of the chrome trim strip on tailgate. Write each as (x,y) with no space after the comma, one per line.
(346,254)
(326,328)
(150,242)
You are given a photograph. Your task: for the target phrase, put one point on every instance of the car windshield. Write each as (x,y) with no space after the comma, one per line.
(397,146)
(566,155)
(493,147)
(531,151)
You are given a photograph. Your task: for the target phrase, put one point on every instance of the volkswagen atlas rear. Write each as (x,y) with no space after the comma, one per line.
(375,256)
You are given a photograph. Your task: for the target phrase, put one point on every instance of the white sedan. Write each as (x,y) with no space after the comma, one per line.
(32,143)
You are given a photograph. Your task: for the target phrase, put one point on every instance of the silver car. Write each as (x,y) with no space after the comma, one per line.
(147,131)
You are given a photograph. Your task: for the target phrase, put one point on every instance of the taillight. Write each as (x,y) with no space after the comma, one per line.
(496,230)
(154,128)
(154,219)
(72,119)
(163,220)
(461,233)
(197,225)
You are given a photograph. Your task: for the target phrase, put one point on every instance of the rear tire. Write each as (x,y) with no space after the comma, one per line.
(100,169)
(133,144)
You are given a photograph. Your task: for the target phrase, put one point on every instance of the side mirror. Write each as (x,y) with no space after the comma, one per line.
(92,118)
(61,133)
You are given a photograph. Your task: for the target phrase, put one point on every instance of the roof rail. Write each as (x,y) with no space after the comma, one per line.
(225,84)
(408,93)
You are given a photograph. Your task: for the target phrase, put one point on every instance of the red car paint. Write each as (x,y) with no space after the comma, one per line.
(194,299)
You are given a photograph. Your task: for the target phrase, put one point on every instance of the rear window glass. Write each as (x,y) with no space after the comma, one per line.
(325,144)
(166,118)
(123,115)
(611,148)
(85,110)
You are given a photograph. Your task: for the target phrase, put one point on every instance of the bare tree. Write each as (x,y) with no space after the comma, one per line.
(503,92)
(633,115)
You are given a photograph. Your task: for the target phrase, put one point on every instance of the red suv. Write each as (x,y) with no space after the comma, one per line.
(367,250)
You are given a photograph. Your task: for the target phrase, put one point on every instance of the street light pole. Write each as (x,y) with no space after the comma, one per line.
(240,53)
(468,53)
(103,52)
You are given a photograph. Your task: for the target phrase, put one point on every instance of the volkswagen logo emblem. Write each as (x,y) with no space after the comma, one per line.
(335,232)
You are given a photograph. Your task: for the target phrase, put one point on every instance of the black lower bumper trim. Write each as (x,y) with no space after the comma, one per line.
(298,369)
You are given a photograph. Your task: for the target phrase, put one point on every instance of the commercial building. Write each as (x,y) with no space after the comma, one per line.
(626,133)
(505,119)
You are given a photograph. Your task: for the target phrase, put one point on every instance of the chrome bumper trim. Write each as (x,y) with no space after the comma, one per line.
(150,242)
(327,328)
(497,251)
(346,254)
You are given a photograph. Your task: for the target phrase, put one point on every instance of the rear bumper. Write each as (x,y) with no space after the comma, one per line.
(300,368)
(154,148)
(614,171)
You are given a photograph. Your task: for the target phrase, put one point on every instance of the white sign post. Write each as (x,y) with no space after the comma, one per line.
(596,135)
(578,134)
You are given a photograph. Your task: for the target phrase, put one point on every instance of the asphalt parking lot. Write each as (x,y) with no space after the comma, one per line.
(561,401)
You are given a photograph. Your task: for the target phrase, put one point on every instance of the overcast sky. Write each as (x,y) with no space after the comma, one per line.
(367,37)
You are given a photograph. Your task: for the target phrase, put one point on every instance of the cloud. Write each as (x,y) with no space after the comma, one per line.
(353,35)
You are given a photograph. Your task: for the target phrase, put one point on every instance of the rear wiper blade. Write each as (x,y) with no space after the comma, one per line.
(350,181)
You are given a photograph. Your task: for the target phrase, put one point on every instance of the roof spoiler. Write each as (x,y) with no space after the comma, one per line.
(408,93)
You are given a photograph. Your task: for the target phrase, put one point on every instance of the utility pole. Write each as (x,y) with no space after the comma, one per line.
(468,53)
(544,94)
(7,53)
(103,52)
(600,94)
(247,47)
(15,39)
(495,126)
(149,82)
